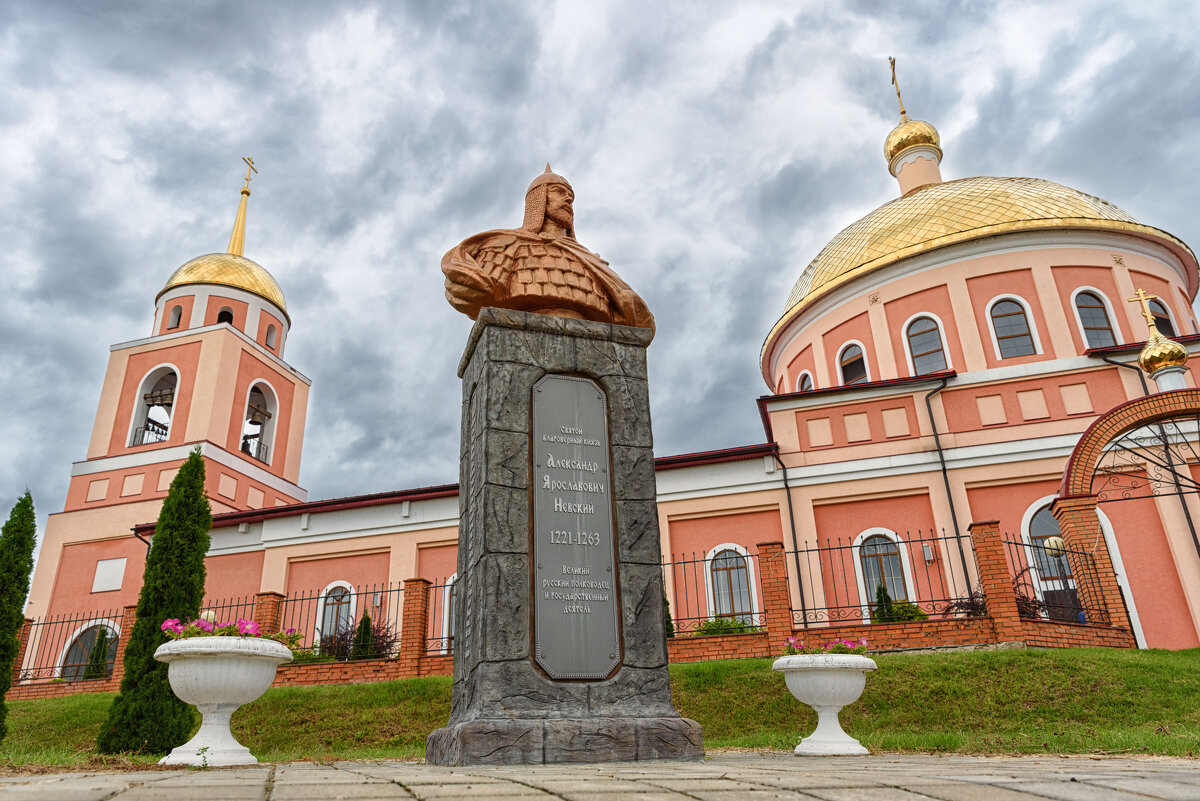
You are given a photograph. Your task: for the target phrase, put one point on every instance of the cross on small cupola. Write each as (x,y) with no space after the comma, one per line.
(1163,359)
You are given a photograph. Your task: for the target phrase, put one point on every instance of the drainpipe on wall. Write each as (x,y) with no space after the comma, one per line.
(792,521)
(937,441)
(143,539)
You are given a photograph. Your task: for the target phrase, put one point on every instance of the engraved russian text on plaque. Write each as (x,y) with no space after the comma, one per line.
(575,613)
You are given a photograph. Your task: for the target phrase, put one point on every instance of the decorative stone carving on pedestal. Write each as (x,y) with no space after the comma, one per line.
(559,649)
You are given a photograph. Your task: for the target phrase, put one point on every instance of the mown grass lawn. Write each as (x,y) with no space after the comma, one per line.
(1023,701)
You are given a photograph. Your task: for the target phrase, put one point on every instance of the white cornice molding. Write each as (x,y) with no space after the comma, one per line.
(258,349)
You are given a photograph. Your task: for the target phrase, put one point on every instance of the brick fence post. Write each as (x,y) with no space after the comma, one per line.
(413,626)
(1080,527)
(266,611)
(776,600)
(128,619)
(22,644)
(996,579)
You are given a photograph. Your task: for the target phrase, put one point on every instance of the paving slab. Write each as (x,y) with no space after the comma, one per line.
(723,777)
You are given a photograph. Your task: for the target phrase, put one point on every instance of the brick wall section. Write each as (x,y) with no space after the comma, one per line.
(266,611)
(413,625)
(996,579)
(1080,528)
(776,600)
(127,622)
(22,644)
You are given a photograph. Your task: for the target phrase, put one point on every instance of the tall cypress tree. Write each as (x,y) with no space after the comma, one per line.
(146,717)
(16,563)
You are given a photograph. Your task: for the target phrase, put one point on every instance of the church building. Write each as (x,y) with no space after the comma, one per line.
(957,429)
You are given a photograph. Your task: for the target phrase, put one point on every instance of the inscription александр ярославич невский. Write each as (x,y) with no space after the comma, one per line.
(576,621)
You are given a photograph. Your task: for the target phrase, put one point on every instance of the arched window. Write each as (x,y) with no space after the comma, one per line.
(804,383)
(925,346)
(258,426)
(175,317)
(1052,580)
(1162,319)
(271,336)
(731,584)
(853,366)
(880,559)
(1093,316)
(337,613)
(91,655)
(152,409)
(1012,330)
(225,315)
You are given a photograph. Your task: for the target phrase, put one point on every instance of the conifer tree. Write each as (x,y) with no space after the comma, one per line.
(146,717)
(883,605)
(16,563)
(97,666)
(364,640)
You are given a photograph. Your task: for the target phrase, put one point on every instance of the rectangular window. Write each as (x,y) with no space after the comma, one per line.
(110,573)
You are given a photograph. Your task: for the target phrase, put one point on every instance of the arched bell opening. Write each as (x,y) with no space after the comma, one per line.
(258,423)
(153,408)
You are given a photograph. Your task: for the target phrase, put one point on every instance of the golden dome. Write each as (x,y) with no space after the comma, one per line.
(1161,352)
(938,215)
(226,269)
(910,133)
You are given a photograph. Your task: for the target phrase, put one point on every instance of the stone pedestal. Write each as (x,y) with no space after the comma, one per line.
(506,707)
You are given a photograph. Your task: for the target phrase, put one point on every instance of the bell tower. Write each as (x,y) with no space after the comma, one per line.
(212,376)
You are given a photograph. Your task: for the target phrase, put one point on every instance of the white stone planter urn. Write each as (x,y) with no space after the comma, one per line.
(217,675)
(826,682)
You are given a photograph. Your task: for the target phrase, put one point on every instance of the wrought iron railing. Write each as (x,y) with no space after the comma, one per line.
(439,628)
(72,647)
(151,431)
(229,610)
(717,594)
(1055,584)
(329,621)
(256,448)
(884,578)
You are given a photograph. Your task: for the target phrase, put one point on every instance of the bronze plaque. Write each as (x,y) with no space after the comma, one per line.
(576,620)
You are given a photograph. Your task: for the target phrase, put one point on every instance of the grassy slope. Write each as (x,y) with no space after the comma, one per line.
(1075,701)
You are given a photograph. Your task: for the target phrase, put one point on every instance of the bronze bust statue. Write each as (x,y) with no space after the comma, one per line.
(539,267)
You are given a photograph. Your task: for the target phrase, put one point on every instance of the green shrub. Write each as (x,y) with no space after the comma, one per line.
(364,641)
(146,717)
(724,625)
(97,666)
(888,611)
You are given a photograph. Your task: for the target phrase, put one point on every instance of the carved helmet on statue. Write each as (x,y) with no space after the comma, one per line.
(535,201)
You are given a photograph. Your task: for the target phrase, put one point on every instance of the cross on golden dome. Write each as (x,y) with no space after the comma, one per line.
(892,61)
(1144,297)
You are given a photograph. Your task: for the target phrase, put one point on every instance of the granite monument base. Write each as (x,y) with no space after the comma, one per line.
(559,649)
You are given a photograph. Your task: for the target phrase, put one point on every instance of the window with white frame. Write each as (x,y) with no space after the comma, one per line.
(852,365)
(91,654)
(731,584)
(925,346)
(175,317)
(335,614)
(1011,327)
(1093,318)
(805,382)
(1162,319)
(881,559)
(1052,578)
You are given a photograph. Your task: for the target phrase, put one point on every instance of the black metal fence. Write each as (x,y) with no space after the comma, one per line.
(229,610)
(72,647)
(716,594)
(1055,583)
(329,621)
(439,627)
(885,578)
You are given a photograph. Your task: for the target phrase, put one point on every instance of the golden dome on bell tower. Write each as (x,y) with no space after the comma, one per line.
(910,133)
(231,268)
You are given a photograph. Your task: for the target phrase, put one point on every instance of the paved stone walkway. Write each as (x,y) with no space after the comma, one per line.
(724,777)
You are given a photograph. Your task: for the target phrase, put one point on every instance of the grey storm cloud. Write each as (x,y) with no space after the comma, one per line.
(714,149)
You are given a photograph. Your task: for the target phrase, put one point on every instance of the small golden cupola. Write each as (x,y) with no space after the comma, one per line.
(1162,358)
(913,148)
(231,268)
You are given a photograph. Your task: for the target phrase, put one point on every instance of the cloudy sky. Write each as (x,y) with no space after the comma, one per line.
(714,148)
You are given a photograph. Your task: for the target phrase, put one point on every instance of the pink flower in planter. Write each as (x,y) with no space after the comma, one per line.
(247,627)
(203,625)
(172,625)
